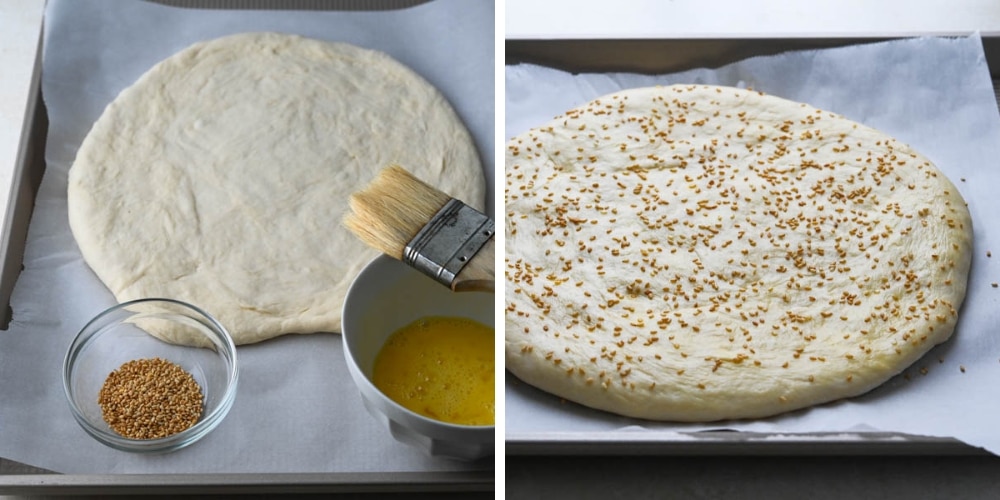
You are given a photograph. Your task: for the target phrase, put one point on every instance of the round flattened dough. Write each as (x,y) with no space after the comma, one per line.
(698,253)
(221,176)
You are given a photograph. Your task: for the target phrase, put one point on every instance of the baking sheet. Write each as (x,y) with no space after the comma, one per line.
(933,93)
(296,409)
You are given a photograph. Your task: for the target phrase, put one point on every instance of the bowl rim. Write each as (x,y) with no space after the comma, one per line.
(424,422)
(174,441)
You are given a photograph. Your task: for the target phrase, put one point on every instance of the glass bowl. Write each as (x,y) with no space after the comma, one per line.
(384,297)
(148,328)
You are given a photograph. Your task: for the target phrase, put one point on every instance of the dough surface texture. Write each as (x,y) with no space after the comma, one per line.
(698,253)
(221,176)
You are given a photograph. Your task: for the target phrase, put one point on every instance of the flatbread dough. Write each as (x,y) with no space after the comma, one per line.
(221,176)
(697,253)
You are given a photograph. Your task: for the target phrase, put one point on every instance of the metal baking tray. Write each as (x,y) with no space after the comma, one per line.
(21,479)
(655,56)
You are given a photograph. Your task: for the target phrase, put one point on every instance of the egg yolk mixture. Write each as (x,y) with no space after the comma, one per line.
(440,367)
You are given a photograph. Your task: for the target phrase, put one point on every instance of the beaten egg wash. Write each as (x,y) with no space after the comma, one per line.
(440,367)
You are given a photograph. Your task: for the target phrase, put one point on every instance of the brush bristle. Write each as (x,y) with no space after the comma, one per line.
(389,212)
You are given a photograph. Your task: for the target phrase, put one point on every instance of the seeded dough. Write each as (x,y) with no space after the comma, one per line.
(220,177)
(696,253)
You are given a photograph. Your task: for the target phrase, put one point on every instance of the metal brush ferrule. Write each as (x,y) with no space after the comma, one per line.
(448,241)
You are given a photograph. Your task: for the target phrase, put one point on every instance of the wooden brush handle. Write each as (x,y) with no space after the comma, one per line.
(477,275)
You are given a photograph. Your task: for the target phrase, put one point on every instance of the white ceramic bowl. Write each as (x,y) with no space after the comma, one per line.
(386,296)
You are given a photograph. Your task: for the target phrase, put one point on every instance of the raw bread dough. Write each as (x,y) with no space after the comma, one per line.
(697,253)
(221,176)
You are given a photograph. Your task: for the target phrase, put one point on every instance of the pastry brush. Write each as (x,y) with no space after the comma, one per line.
(428,230)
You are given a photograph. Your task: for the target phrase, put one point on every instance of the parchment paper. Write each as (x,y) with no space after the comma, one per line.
(932,93)
(296,409)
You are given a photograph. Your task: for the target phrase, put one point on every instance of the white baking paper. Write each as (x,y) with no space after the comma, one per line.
(296,408)
(932,93)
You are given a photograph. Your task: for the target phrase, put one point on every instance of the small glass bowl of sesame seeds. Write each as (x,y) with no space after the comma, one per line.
(150,375)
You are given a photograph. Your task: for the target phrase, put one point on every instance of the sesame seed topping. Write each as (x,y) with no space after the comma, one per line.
(682,237)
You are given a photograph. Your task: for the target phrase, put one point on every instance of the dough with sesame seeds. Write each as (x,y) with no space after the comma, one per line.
(220,177)
(699,253)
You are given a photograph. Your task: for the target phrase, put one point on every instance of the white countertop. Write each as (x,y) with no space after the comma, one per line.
(20,29)
(567,19)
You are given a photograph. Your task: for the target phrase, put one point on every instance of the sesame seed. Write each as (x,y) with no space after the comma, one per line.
(149,399)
